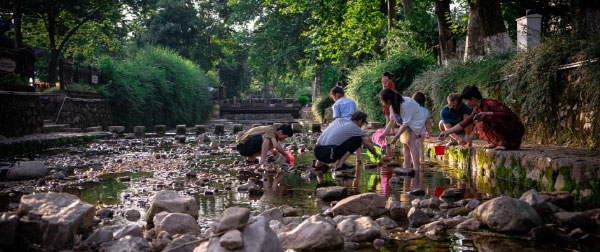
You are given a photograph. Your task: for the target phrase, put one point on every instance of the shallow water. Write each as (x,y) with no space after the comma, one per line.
(290,190)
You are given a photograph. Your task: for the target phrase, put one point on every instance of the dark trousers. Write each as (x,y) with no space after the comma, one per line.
(331,153)
(252,146)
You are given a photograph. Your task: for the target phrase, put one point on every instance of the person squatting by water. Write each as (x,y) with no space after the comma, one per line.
(340,140)
(407,113)
(262,139)
(455,112)
(425,132)
(343,108)
(495,122)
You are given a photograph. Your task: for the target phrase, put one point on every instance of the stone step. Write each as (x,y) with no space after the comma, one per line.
(50,128)
(48,121)
(72,130)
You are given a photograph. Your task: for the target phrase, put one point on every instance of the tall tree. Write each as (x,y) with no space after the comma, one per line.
(447,40)
(17,20)
(408,7)
(391,13)
(586,16)
(486,33)
(62,19)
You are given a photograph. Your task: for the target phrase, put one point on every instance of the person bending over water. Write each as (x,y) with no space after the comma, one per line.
(495,122)
(343,108)
(407,113)
(420,99)
(340,140)
(455,112)
(260,140)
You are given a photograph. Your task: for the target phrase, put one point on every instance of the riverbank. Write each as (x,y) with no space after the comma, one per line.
(541,167)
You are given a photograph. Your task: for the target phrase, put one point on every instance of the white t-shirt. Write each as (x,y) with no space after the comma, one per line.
(411,115)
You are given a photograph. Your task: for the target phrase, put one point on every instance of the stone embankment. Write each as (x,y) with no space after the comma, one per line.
(547,168)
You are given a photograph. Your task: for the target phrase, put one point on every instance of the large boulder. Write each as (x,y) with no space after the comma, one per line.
(361,230)
(176,223)
(535,200)
(366,204)
(332,193)
(257,236)
(172,202)
(52,219)
(506,214)
(316,232)
(27,170)
(9,223)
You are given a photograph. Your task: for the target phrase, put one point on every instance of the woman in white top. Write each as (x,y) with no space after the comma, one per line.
(407,113)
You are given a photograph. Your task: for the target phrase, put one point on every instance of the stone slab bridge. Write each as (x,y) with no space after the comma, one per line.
(543,167)
(263,109)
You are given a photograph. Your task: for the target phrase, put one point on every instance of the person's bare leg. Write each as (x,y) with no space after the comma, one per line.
(342,160)
(265,147)
(406,152)
(357,152)
(414,151)
(420,149)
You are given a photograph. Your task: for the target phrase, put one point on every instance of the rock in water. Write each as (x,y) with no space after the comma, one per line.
(130,243)
(231,218)
(232,240)
(316,232)
(257,236)
(505,214)
(332,193)
(395,209)
(176,223)
(575,220)
(51,219)
(132,215)
(469,225)
(273,214)
(27,170)
(361,230)
(9,223)
(416,217)
(386,222)
(366,204)
(184,243)
(172,202)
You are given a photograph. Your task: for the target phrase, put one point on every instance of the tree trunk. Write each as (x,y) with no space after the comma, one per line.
(586,16)
(447,42)
(486,33)
(17,20)
(391,13)
(408,7)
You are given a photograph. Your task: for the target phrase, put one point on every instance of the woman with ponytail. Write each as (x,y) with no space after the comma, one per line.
(407,113)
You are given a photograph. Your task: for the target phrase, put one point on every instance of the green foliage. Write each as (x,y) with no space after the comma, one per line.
(365,80)
(154,86)
(12,79)
(318,108)
(303,100)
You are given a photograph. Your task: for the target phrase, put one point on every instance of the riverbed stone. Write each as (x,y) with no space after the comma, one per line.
(219,129)
(231,218)
(432,203)
(416,217)
(176,223)
(542,233)
(238,128)
(575,220)
(471,224)
(451,194)
(139,131)
(459,211)
(114,232)
(274,213)
(130,243)
(160,130)
(199,129)
(232,240)
(172,202)
(288,211)
(116,129)
(473,204)
(404,172)
(386,222)
(395,209)
(257,236)
(27,170)
(132,215)
(316,232)
(332,193)
(361,229)
(506,214)
(366,204)
(51,219)
(8,233)
(182,243)
(561,199)
(180,129)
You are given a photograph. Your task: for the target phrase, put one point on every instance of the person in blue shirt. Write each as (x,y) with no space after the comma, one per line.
(452,114)
(343,108)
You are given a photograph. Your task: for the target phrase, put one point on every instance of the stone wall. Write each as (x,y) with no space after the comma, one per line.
(545,168)
(83,113)
(20,114)
(236,117)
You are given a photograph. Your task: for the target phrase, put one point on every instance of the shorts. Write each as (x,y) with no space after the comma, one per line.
(331,153)
(251,146)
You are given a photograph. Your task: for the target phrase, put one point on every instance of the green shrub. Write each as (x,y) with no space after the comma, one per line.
(154,86)
(12,79)
(303,100)
(321,103)
(365,80)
